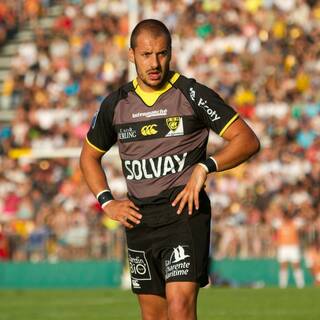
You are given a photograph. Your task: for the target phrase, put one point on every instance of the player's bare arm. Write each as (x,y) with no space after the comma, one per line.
(242,143)
(123,211)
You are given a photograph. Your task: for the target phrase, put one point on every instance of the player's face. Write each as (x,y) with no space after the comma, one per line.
(151,57)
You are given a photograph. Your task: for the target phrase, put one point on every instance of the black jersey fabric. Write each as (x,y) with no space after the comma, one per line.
(160,135)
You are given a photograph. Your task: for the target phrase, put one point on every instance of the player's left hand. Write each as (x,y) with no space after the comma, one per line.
(190,193)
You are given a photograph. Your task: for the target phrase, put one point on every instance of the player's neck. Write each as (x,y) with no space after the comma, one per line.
(148,89)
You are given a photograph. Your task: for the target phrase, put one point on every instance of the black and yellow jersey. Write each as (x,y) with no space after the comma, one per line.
(161,135)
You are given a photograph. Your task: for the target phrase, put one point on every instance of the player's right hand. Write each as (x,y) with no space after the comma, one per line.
(123,211)
(189,196)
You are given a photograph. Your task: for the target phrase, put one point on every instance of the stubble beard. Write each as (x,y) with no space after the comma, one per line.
(158,86)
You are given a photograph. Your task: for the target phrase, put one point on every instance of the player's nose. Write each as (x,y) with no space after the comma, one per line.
(154,61)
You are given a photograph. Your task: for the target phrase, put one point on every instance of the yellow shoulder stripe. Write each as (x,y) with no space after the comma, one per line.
(228,124)
(174,78)
(94,147)
(149,98)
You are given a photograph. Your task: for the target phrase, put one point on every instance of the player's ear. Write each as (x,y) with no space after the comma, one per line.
(131,55)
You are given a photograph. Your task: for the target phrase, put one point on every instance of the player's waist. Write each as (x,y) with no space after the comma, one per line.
(163,198)
(155,204)
(158,210)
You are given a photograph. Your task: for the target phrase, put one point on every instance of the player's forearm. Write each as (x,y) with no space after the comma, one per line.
(93,173)
(238,150)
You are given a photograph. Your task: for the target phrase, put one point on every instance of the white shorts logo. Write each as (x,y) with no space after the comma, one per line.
(135,284)
(139,267)
(175,266)
(178,254)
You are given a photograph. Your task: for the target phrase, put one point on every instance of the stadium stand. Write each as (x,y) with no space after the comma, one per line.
(263,58)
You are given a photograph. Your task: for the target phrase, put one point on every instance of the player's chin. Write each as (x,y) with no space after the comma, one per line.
(155,83)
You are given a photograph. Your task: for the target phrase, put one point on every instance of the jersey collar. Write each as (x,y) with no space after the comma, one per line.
(149,98)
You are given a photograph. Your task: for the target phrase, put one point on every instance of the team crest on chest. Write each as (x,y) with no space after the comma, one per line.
(175,125)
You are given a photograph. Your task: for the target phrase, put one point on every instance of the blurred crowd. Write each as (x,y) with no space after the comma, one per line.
(261,56)
(9,20)
(14,13)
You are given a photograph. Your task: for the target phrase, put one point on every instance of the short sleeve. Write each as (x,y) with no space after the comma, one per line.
(102,135)
(211,109)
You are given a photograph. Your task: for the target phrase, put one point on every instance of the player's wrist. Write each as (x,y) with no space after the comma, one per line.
(200,164)
(104,197)
(210,165)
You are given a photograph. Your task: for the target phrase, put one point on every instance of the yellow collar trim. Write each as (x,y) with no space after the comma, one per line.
(149,98)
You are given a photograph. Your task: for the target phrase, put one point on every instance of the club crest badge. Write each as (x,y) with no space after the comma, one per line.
(173,123)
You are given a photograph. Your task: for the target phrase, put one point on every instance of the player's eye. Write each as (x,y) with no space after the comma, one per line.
(163,53)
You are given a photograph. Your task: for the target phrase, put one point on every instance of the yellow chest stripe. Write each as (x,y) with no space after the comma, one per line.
(149,98)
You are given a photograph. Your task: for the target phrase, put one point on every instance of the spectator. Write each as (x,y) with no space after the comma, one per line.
(312,257)
(288,243)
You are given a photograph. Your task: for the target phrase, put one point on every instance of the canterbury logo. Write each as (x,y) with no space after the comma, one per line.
(149,130)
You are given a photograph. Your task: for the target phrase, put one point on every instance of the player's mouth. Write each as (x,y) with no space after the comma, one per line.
(154,75)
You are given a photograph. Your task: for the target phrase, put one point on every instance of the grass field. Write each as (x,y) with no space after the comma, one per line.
(109,304)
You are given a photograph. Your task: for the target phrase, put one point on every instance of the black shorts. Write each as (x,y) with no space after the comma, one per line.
(166,247)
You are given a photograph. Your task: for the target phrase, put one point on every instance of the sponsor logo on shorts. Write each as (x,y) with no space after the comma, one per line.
(149,130)
(175,125)
(149,114)
(139,267)
(135,284)
(177,264)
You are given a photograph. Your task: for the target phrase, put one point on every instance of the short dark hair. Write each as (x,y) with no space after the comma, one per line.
(153,26)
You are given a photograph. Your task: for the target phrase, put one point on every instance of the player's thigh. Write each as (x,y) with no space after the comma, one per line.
(153,307)
(182,294)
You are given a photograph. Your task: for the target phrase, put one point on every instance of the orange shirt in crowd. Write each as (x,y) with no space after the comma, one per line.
(32,7)
(287,232)
(3,10)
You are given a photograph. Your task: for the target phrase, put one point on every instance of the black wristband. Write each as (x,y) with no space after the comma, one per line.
(210,164)
(104,196)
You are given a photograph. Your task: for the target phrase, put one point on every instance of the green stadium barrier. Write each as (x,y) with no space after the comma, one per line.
(95,274)
(253,271)
(80,274)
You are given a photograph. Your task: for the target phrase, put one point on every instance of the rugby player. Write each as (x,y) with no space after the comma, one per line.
(161,121)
